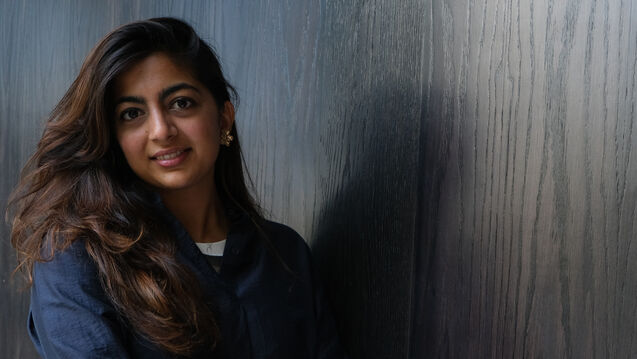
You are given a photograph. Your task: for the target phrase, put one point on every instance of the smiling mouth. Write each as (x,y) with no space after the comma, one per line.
(169,156)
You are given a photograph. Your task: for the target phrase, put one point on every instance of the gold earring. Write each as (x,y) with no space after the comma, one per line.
(226,138)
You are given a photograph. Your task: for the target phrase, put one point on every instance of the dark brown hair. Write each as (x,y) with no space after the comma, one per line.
(78,185)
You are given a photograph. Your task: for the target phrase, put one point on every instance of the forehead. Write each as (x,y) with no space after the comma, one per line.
(151,75)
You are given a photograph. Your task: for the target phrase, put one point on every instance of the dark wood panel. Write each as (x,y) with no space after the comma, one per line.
(529,184)
(369,110)
(498,134)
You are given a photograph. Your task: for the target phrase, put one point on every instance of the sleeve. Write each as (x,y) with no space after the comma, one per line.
(70,315)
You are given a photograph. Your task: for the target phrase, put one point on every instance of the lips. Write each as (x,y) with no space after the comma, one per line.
(170,157)
(168,154)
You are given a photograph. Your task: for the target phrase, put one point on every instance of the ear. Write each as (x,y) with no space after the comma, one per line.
(227,116)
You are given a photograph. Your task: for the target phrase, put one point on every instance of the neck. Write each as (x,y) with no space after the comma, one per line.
(199,211)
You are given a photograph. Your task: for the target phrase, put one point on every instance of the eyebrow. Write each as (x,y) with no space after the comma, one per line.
(162,94)
(133,99)
(174,88)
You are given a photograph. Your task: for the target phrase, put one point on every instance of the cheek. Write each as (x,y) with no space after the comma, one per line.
(131,146)
(203,131)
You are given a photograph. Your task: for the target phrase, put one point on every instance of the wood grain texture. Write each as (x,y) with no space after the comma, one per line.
(529,180)
(329,121)
(465,171)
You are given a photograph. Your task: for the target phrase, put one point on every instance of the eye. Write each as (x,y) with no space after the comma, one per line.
(130,114)
(181,103)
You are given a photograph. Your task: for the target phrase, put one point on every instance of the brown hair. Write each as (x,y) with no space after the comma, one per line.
(78,185)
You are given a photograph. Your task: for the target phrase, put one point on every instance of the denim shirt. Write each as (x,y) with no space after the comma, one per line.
(263,310)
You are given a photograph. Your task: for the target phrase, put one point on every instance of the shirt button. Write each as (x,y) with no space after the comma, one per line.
(235,251)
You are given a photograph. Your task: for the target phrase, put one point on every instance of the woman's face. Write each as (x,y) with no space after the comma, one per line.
(168,124)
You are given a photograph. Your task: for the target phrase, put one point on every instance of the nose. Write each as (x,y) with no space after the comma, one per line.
(160,126)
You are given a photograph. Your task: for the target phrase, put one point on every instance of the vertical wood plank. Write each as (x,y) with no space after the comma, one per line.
(369,106)
(529,208)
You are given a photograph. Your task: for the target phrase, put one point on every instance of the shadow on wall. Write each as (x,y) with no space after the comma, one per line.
(365,233)
(438,183)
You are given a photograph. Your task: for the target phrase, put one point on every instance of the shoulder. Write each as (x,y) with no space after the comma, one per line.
(285,238)
(281,232)
(70,275)
(70,262)
(287,246)
(70,315)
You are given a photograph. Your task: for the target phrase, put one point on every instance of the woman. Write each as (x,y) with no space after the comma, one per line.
(135,226)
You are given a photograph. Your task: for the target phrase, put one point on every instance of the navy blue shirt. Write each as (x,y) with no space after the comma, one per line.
(263,310)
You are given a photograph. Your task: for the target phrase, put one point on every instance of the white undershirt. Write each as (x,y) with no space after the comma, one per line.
(212,249)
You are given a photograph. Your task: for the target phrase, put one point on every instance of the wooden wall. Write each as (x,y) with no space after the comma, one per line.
(464,170)
(529,184)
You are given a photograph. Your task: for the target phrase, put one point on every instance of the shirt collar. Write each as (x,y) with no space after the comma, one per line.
(240,233)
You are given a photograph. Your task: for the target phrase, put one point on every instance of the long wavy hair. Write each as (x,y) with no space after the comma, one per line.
(78,185)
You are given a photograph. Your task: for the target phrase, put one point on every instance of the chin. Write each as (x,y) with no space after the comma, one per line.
(180,181)
(172,186)
(180,184)
(166,184)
